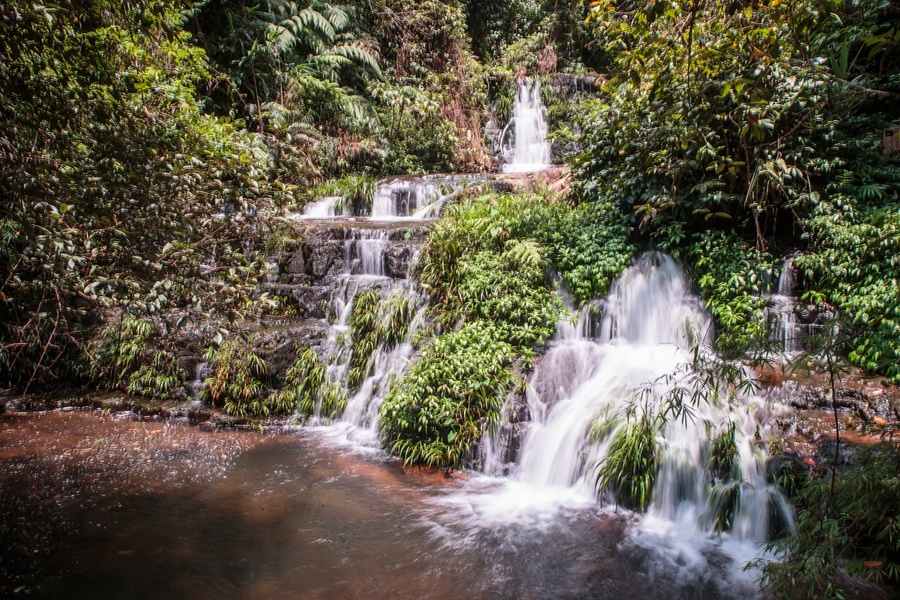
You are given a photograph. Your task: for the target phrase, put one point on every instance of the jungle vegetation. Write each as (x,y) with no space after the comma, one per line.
(143,143)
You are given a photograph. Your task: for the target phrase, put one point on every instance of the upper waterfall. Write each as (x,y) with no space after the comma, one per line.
(530,150)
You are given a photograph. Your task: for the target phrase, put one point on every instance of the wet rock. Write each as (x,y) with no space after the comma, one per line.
(277,342)
(221,421)
(865,403)
(323,258)
(296,264)
(397,259)
(570,85)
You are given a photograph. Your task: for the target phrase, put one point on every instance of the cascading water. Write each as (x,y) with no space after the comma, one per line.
(620,358)
(407,198)
(371,254)
(652,333)
(711,467)
(368,249)
(530,150)
(322,208)
(787,332)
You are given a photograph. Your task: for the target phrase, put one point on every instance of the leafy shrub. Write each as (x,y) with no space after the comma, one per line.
(436,413)
(237,378)
(375,322)
(123,358)
(307,391)
(855,266)
(159,379)
(501,274)
(364,325)
(850,526)
(589,247)
(508,290)
(630,467)
(733,278)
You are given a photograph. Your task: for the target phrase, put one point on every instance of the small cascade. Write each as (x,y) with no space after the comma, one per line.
(322,208)
(345,256)
(787,332)
(201,372)
(366,254)
(386,362)
(407,198)
(530,150)
(413,197)
(348,254)
(583,391)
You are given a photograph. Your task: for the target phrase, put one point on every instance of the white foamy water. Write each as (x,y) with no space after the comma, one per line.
(786,330)
(652,327)
(530,150)
(396,199)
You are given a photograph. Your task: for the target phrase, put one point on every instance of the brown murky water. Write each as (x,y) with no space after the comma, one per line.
(98,507)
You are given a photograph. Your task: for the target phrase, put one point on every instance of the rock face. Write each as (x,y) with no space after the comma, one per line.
(329,252)
(871,404)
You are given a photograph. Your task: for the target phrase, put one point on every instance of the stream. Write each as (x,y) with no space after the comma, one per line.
(99,506)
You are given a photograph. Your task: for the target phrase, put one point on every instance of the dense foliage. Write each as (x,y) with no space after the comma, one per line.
(724,130)
(129,355)
(438,411)
(238,377)
(485,269)
(307,390)
(115,185)
(734,278)
(846,525)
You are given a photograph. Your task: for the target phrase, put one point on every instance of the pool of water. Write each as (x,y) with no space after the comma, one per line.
(98,506)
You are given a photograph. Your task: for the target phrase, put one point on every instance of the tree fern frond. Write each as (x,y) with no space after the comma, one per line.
(360,55)
(311,19)
(523,253)
(337,16)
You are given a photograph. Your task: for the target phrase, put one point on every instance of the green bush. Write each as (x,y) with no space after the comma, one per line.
(488,258)
(854,266)
(375,322)
(122,357)
(630,467)
(588,245)
(237,378)
(437,412)
(307,391)
(850,526)
(733,279)
(365,327)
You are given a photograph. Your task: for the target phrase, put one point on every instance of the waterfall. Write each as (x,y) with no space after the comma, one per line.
(653,331)
(369,249)
(786,330)
(403,198)
(530,150)
(322,208)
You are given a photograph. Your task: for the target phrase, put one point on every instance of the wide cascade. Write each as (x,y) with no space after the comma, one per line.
(711,470)
(355,262)
(530,150)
